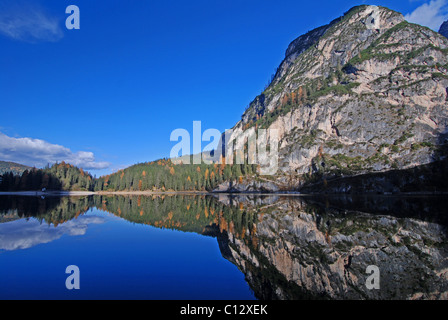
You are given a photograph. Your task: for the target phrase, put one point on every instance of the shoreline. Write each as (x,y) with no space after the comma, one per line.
(47,193)
(202,193)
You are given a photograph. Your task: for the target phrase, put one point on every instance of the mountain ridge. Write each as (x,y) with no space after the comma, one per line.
(15,168)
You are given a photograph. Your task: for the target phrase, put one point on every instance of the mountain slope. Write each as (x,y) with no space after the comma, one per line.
(15,168)
(352,99)
(60,176)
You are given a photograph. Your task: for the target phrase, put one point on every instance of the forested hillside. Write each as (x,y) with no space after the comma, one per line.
(60,176)
(161,175)
(164,175)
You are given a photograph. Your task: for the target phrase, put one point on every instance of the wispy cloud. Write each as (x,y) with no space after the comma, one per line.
(431,14)
(26,21)
(36,152)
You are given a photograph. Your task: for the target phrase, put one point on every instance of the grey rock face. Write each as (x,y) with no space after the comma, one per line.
(300,251)
(349,99)
(247,186)
(444,29)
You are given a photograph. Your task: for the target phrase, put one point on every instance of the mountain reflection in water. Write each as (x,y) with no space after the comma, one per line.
(287,247)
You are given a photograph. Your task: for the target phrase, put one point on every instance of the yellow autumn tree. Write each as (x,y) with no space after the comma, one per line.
(293,97)
(321,151)
(300,94)
(285,100)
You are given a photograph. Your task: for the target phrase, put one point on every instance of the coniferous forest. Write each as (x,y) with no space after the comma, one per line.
(161,175)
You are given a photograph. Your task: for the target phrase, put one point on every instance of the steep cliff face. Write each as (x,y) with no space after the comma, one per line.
(297,250)
(366,93)
(444,29)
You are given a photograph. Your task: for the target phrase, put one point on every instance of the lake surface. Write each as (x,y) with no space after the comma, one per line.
(224,247)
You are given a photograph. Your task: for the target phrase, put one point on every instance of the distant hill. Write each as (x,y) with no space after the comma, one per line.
(60,176)
(13,167)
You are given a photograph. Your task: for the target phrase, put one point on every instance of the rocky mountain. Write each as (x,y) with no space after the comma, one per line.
(364,94)
(444,29)
(15,168)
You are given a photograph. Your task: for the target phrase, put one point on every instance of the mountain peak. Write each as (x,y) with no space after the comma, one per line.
(444,29)
(376,18)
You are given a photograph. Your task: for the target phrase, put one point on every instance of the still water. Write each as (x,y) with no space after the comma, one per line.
(223,247)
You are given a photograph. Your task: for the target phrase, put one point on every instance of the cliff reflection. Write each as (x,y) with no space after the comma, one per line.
(320,248)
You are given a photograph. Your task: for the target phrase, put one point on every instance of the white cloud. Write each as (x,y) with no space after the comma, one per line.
(24,233)
(431,14)
(36,152)
(28,22)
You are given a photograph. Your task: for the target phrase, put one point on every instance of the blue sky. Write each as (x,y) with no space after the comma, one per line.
(109,95)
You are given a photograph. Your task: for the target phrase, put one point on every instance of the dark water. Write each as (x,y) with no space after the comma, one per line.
(239,247)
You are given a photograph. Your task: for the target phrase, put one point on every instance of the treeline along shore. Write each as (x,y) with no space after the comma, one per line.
(157,176)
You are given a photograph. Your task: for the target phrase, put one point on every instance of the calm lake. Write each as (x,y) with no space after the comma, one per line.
(224,247)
